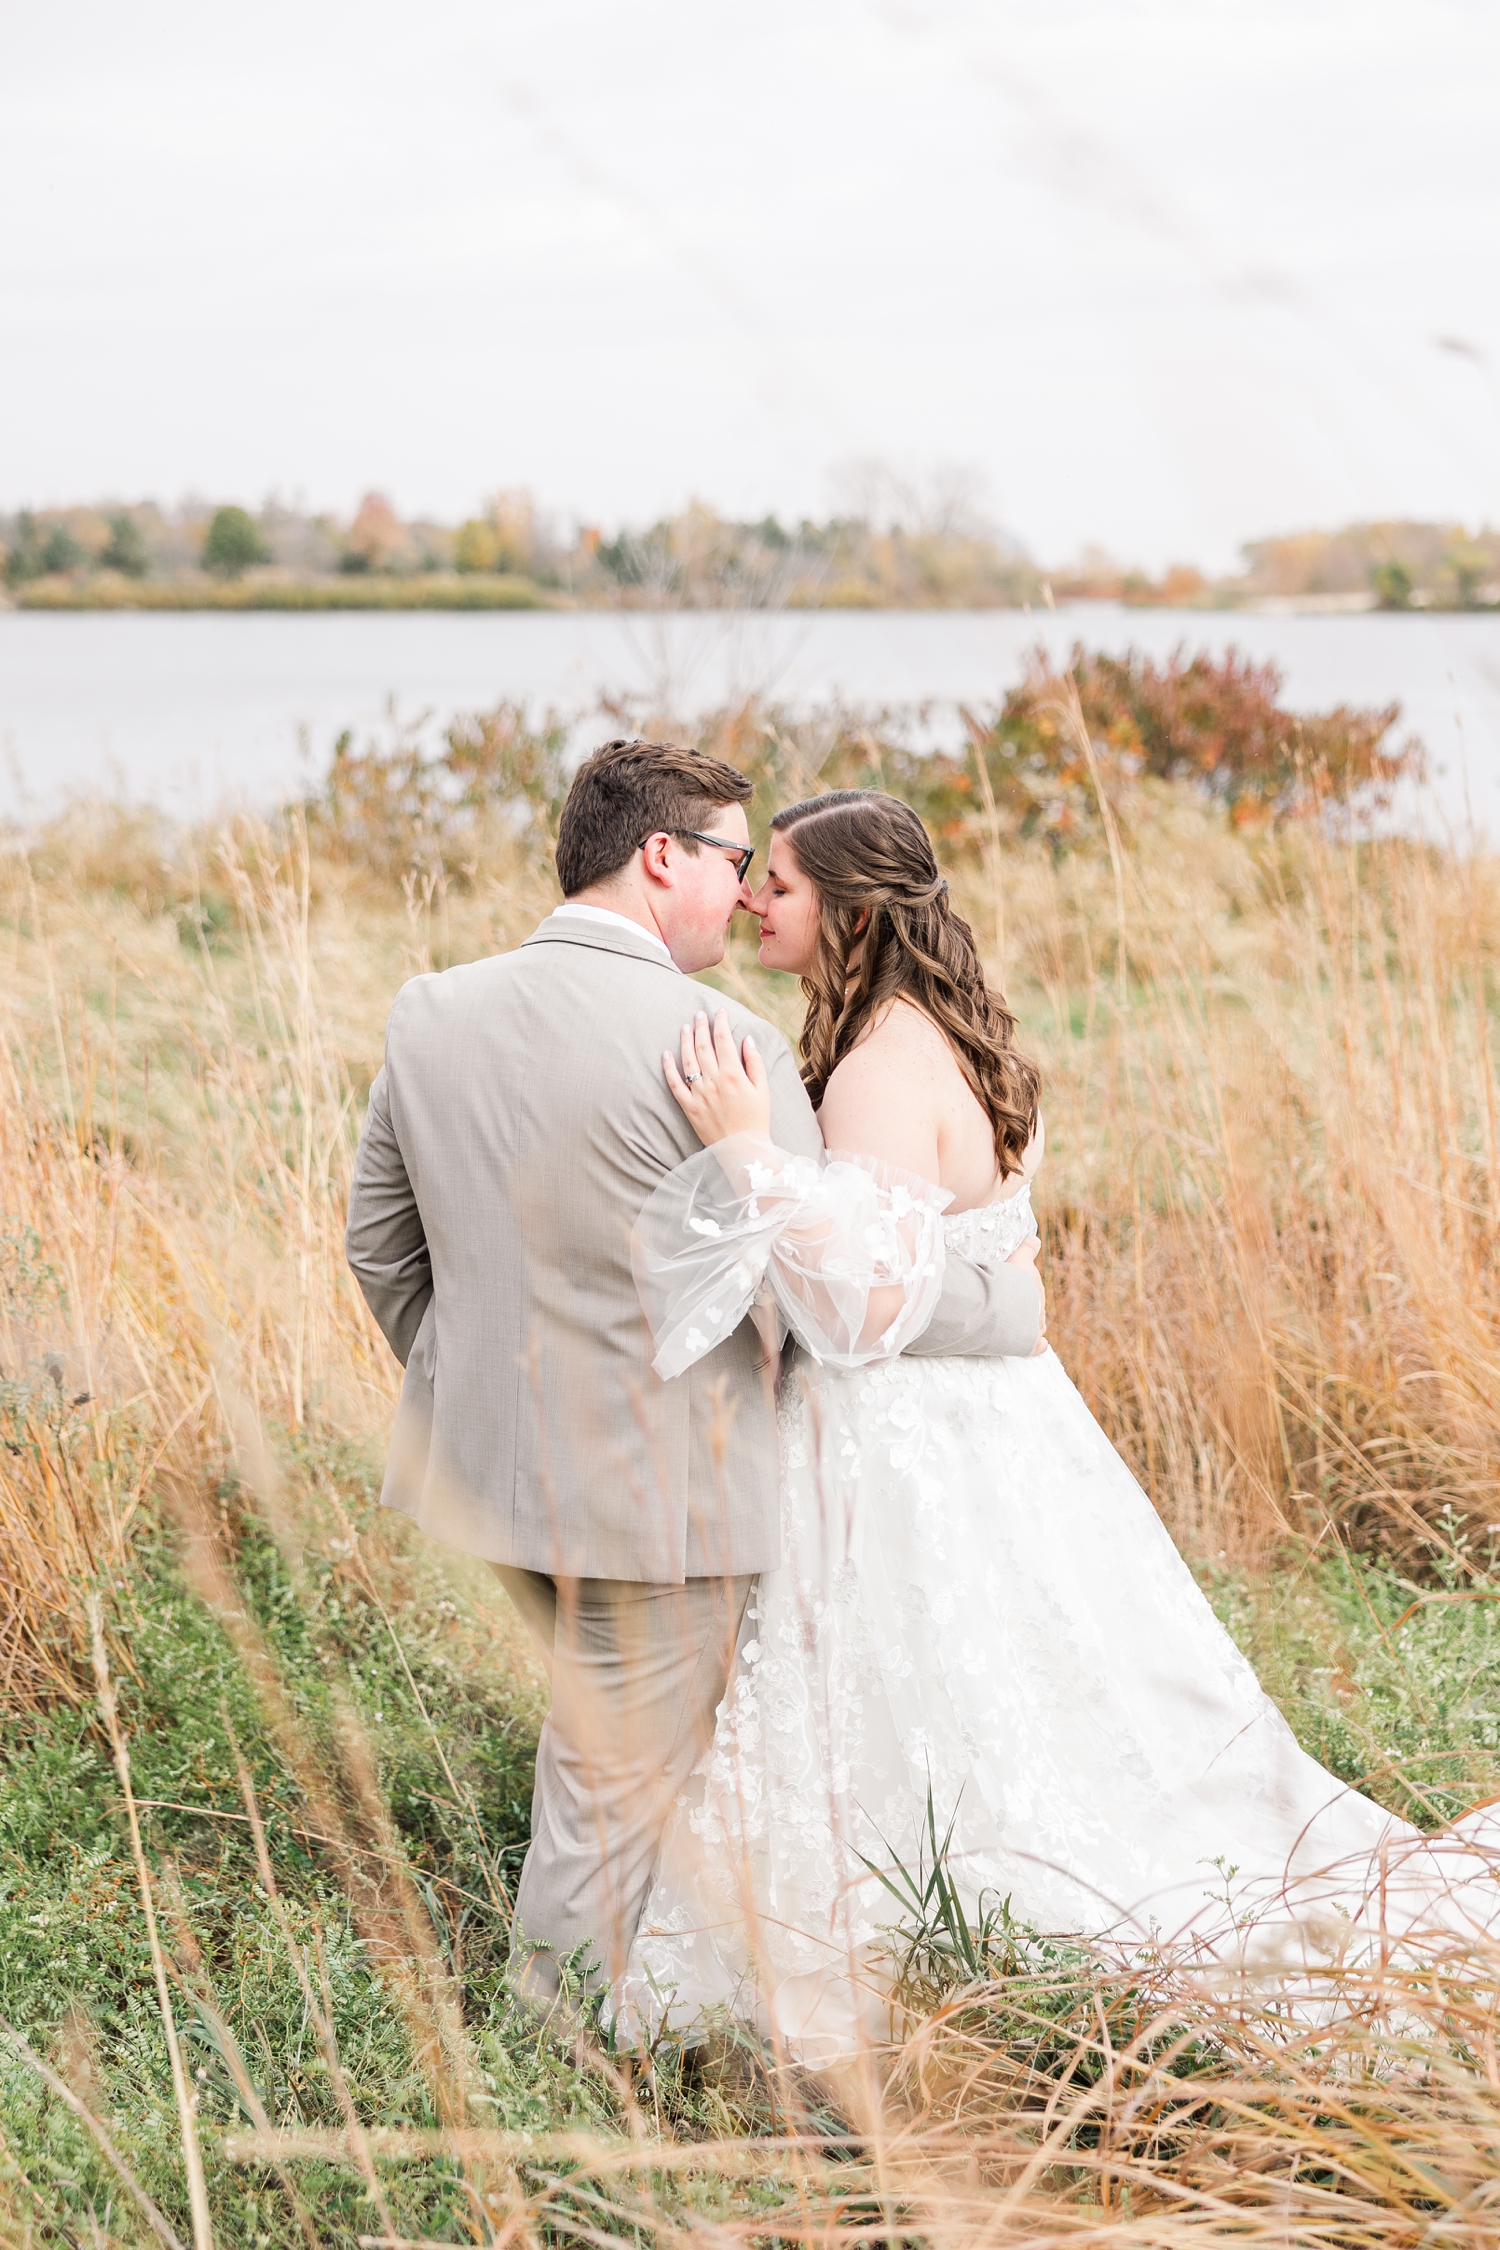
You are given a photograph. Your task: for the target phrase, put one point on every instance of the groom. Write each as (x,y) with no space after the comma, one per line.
(518,1126)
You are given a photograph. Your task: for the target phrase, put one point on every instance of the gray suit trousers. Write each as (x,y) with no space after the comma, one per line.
(638,1672)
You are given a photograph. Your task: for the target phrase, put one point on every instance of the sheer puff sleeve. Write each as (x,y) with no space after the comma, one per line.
(849,1248)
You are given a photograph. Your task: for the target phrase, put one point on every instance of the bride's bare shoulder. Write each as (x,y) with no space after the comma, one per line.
(902,1062)
(899,1038)
(886,1096)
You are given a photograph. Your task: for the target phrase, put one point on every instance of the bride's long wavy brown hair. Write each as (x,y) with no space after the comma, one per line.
(868,855)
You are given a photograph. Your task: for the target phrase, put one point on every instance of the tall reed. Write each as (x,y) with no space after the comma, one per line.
(1272,1202)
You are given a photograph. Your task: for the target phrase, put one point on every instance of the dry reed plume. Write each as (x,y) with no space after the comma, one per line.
(1270,1204)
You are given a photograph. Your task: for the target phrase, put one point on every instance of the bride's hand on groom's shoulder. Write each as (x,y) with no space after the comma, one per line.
(721,1085)
(1026,1254)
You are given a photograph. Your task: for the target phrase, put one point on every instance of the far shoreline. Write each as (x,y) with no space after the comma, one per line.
(491,595)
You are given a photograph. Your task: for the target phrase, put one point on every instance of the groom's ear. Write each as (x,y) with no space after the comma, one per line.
(657,856)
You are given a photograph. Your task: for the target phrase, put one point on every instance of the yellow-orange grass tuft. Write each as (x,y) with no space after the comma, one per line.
(1103,2108)
(176,1130)
(1272,1200)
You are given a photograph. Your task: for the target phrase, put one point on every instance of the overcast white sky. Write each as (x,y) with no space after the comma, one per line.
(1167,272)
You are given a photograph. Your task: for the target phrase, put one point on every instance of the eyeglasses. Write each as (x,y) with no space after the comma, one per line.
(743,853)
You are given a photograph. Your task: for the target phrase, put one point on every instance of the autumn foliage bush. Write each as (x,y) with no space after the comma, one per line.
(1217,723)
(399,803)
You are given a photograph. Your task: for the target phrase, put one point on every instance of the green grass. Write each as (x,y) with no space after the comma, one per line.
(349,1603)
(72,1938)
(1414,1709)
(1409,1712)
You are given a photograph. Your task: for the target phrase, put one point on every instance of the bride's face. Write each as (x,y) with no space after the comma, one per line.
(787,906)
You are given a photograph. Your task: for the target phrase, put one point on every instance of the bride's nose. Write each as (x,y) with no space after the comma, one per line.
(758,902)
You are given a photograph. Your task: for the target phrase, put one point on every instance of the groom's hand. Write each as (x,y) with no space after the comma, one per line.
(720,1090)
(1026,1254)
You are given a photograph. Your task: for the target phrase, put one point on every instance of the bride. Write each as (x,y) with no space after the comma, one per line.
(980,1619)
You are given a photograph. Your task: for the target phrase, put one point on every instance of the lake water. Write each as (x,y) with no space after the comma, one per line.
(191,711)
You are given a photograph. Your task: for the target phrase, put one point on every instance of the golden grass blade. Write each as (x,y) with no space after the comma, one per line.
(64,2093)
(318,2016)
(182,2086)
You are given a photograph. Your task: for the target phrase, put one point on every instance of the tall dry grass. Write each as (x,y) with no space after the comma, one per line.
(1270,1198)
(1270,1205)
(177,1122)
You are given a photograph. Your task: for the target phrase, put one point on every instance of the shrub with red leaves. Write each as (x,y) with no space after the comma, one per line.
(1216,722)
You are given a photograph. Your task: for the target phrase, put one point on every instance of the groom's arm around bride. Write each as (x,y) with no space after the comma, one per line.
(518,1126)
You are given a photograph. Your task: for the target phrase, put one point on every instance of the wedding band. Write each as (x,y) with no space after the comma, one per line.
(691,1077)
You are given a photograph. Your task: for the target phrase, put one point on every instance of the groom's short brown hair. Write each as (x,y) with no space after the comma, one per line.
(628,791)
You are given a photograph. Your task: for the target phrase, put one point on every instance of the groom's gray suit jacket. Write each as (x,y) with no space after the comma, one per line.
(519,1124)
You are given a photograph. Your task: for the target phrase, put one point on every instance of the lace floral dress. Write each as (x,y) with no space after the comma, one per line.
(977,1601)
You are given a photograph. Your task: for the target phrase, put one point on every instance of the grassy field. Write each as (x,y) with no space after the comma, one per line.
(266,1756)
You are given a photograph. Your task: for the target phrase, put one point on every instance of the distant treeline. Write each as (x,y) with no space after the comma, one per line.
(893,549)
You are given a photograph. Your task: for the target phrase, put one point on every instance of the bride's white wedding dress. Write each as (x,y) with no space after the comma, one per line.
(978,1600)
